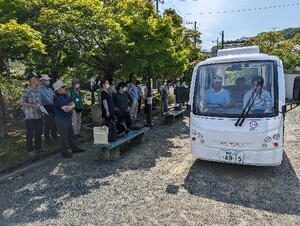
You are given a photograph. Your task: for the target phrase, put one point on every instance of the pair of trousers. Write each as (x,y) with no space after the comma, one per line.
(34,128)
(66,137)
(166,105)
(139,106)
(49,127)
(134,108)
(124,116)
(76,121)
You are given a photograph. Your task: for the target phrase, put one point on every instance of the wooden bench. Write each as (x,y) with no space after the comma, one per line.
(173,114)
(111,151)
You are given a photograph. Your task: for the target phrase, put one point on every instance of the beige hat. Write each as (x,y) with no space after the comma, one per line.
(45,77)
(58,84)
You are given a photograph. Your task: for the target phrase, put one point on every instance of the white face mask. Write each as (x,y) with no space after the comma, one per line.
(47,83)
(124,89)
(106,86)
(77,86)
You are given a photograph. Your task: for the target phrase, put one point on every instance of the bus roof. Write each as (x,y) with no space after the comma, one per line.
(239,55)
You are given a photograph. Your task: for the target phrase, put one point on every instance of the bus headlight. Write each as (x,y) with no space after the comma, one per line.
(268,139)
(194,132)
(276,136)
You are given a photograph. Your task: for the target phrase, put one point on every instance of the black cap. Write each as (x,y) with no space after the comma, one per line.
(32,74)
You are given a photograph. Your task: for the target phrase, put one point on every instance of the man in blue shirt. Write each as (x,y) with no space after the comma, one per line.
(217,97)
(63,108)
(47,96)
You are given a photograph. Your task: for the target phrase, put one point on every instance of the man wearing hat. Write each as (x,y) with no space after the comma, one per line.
(217,97)
(31,101)
(63,108)
(77,98)
(47,96)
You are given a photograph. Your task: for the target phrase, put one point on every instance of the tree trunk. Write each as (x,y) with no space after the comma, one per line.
(2,116)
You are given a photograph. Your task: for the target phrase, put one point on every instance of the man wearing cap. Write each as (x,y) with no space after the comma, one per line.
(77,98)
(217,97)
(63,108)
(47,96)
(31,101)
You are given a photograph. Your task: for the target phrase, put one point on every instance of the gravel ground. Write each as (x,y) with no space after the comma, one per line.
(157,183)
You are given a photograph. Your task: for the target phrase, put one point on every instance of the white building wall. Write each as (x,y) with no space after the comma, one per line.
(289,83)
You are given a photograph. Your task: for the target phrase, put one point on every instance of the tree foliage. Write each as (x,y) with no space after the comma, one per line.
(274,43)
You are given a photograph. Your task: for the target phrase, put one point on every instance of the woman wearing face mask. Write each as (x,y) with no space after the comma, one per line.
(77,98)
(106,102)
(47,96)
(121,104)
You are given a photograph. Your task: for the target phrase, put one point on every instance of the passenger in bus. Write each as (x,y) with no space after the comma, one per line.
(261,98)
(238,92)
(217,97)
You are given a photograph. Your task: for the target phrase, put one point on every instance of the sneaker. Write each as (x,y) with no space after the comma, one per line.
(67,155)
(78,150)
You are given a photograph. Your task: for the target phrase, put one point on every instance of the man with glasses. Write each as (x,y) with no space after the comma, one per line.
(63,108)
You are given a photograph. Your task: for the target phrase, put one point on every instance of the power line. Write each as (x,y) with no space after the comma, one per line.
(247,10)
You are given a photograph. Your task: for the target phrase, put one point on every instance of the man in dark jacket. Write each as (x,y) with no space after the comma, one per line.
(63,118)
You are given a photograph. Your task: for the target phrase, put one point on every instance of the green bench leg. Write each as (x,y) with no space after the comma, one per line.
(109,154)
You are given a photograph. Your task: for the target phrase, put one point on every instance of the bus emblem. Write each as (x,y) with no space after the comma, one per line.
(253,125)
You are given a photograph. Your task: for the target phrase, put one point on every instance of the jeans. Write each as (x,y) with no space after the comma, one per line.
(34,128)
(66,137)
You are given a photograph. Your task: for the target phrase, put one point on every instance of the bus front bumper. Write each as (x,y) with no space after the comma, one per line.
(244,157)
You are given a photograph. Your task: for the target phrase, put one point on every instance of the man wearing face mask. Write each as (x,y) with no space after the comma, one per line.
(77,98)
(47,96)
(121,100)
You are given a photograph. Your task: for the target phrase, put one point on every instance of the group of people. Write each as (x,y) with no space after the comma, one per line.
(62,109)
(179,92)
(124,102)
(254,100)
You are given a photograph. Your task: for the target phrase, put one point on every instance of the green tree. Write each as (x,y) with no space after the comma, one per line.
(18,42)
(274,43)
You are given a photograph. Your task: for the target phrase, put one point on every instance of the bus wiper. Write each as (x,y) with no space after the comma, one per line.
(248,106)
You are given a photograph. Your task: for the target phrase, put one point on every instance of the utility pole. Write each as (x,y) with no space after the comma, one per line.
(195,39)
(222,39)
(157,2)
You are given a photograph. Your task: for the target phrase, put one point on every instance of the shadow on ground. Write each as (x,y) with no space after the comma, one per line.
(274,189)
(39,195)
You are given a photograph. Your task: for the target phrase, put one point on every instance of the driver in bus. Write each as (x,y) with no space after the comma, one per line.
(217,97)
(261,98)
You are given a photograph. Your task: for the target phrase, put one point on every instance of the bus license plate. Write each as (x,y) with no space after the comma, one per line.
(231,156)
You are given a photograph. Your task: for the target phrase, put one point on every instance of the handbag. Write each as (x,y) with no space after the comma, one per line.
(100,135)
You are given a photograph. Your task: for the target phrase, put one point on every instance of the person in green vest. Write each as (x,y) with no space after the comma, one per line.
(76,97)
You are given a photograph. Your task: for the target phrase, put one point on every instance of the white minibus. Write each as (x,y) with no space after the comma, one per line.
(237,103)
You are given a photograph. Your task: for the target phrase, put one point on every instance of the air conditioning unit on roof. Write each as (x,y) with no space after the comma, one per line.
(241,50)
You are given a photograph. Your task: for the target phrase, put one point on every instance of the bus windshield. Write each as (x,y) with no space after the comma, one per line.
(235,88)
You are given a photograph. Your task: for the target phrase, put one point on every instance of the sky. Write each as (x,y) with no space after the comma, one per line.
(237,18)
